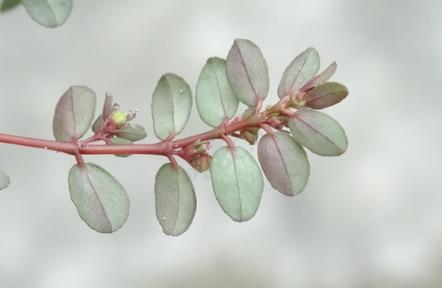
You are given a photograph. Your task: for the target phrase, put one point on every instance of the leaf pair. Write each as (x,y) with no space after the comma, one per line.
(100,199)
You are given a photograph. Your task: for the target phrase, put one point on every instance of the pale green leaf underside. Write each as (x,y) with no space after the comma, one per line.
(131,132)
(49,13)
(284,163)
(215,100)
(302,69)
(74,113)
(175,200)
(171,105)
(100,199)
(318,132)
(237,182)
(4,180)
(247,72)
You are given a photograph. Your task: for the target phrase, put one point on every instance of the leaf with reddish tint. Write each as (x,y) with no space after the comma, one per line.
(237,182)
(74,113)
(175,200)
(303,68)
(247,72)
(284,163)
(101,200)
(107,106)
(321,77)
(4,180)
(318,132)
(325,95)
(171,106)
(215,100)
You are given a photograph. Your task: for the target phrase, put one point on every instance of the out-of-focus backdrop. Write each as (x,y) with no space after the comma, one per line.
(370,218)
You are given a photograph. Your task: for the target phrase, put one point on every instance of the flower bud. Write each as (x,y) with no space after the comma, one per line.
(119,118)
(201,162)
(250,135)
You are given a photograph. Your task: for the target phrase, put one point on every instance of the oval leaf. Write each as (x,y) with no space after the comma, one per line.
(284,163)
(247,72)
(8,5)
(321,77)
(325,95)
(4,180)
(100,199)
(49,13)
(318,132)
(132,132)
(215,100)
(237,182)
(74,113)
(175,199)
(303,68)
(171,106)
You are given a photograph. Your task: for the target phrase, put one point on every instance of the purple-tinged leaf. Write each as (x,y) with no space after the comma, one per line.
(100,199)
(318,132)
(301,70)
(247,72)
(171,106)
(74,113)
(325,95)
(175,200)
(107,106)
(237,182)
(284,163)
(321,77)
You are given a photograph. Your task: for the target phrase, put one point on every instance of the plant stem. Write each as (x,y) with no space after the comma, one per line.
(160,148)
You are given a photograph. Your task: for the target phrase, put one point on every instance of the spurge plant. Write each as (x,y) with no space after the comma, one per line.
(289,126)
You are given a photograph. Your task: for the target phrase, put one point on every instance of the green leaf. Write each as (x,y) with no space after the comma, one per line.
(321,77)
(132,132)
(171,106)
(215,100)
(318,132)
(303,68)
(284,163)
(4,180)
(237,182)
(49,13)
(119,141)
(9,4)
(100,199)
(74,113)
(247,72)
(97,125)
(175,199)
(325,95)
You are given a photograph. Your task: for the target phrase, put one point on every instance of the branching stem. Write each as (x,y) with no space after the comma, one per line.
(164,148)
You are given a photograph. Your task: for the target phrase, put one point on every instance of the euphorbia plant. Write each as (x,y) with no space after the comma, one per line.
(288,126)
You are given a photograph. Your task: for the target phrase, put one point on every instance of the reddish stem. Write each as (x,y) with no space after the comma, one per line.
(161,148)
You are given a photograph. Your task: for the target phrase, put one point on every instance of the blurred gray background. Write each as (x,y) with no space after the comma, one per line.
(370,218)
